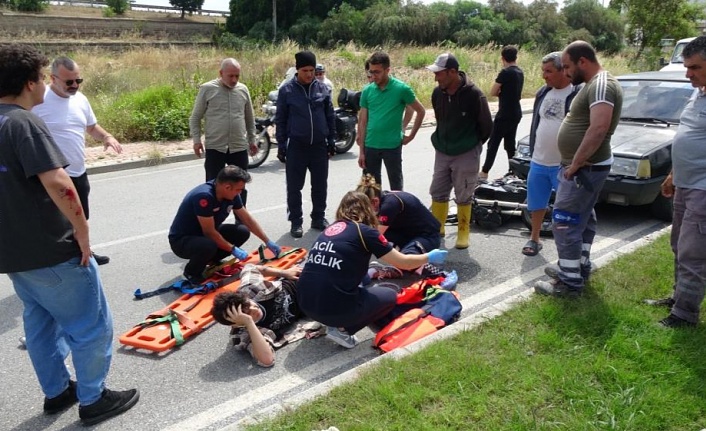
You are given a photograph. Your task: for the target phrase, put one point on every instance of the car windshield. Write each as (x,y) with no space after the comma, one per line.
(676,56)
(655,101)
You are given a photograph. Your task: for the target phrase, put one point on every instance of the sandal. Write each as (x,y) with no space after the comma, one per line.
(532,248)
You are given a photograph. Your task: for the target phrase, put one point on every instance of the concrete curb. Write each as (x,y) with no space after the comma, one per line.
(465,324)
(142,163)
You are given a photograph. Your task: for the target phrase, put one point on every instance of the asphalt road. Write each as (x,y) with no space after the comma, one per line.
(205,384)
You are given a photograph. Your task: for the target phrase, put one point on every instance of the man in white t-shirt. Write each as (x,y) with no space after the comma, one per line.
(69,116)
(551,105)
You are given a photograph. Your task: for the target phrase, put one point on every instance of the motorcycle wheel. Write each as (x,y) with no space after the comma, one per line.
(346,144)
(263,150)
(546,228)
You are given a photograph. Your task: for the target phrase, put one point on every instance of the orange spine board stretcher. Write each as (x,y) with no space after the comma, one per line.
(194,311)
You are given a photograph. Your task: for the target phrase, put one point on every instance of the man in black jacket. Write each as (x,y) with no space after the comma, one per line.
(463,124)
(305,134)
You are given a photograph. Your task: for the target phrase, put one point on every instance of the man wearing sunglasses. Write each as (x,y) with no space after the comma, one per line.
(69,116)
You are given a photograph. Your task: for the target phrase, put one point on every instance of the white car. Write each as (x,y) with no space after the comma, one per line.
(676,62)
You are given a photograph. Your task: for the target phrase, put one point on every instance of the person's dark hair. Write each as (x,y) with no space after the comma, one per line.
(355,206)
(223,301)
(233,174)
(19,64)
(509,53)
(579,48)
(369,187)
(380,58)
(367,65)
(68,64)
(695,47)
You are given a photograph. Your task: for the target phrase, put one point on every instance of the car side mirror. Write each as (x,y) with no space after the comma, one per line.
(663,62)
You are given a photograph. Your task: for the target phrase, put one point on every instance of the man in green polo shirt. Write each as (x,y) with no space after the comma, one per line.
(380,133)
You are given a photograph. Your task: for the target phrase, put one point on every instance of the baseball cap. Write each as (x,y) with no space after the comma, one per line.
(443,62)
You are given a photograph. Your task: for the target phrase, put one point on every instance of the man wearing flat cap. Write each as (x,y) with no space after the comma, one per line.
(463,124)
(305,136)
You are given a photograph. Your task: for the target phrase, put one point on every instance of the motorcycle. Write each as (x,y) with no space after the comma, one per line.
(496,201)
(346,121)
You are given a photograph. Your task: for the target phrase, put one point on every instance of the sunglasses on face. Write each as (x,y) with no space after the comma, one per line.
(70,82)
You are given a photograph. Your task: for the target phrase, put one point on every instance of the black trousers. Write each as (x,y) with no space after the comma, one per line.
(503,130)
(216,160)
(83,188)
(201,250)
(300,159)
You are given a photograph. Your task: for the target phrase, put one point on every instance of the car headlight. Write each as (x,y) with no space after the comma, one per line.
(631,168)
(523,151)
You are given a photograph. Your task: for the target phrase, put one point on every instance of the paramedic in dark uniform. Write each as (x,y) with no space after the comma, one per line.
(305,137)
(403,218)
(329,286)
(198,232)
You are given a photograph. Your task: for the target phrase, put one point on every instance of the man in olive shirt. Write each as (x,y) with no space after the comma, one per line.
(586,159)
(226,107)
(382,105)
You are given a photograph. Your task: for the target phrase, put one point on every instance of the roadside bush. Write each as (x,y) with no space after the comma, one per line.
(118,6)
(154,114)
(29,5)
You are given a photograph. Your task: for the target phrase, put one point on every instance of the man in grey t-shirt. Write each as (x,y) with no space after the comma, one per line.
(687,185)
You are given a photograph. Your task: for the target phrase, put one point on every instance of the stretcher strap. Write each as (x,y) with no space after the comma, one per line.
(263,259)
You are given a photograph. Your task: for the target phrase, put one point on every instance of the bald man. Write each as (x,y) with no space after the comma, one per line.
(229,121)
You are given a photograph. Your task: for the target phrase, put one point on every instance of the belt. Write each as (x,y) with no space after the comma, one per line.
(593,168)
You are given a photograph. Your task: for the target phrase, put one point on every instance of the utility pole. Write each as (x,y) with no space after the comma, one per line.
(274,21)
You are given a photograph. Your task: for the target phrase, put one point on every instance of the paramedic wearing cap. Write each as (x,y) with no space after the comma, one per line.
(305,134)
(380,134)
(463,124)
(320,74)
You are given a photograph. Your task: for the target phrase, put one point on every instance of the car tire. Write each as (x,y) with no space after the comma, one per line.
(662,208)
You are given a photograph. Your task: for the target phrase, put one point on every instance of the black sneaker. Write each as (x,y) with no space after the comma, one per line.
(62,401)
(101,260)
(111,403)
(664,302)
(296,231)
(319,224)
(673,321)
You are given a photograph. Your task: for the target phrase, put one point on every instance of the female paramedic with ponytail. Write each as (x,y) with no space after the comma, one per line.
(329,288)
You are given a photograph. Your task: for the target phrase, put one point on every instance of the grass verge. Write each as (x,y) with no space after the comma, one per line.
(600,362)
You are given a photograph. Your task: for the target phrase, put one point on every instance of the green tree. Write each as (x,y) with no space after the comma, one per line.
(118,6)
(547,28)
(187,5)
(29,5)
(649,21)
(604,24)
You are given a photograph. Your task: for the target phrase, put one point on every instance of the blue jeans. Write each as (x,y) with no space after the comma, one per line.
(65,309)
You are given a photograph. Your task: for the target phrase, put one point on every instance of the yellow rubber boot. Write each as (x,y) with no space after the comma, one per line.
(464,226)
(440,210)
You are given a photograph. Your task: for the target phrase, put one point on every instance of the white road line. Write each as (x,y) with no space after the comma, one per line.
(139,174)
(164,232)
(244,402)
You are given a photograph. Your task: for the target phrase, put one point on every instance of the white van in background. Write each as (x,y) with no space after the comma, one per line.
(676,62)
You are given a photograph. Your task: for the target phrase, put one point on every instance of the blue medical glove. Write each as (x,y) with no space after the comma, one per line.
(437,257)
(239,253)
(274,248)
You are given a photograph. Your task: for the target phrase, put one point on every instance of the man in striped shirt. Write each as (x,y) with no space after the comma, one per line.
(586,159)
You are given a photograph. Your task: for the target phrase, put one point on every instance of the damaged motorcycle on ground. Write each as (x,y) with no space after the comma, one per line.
(496,201)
